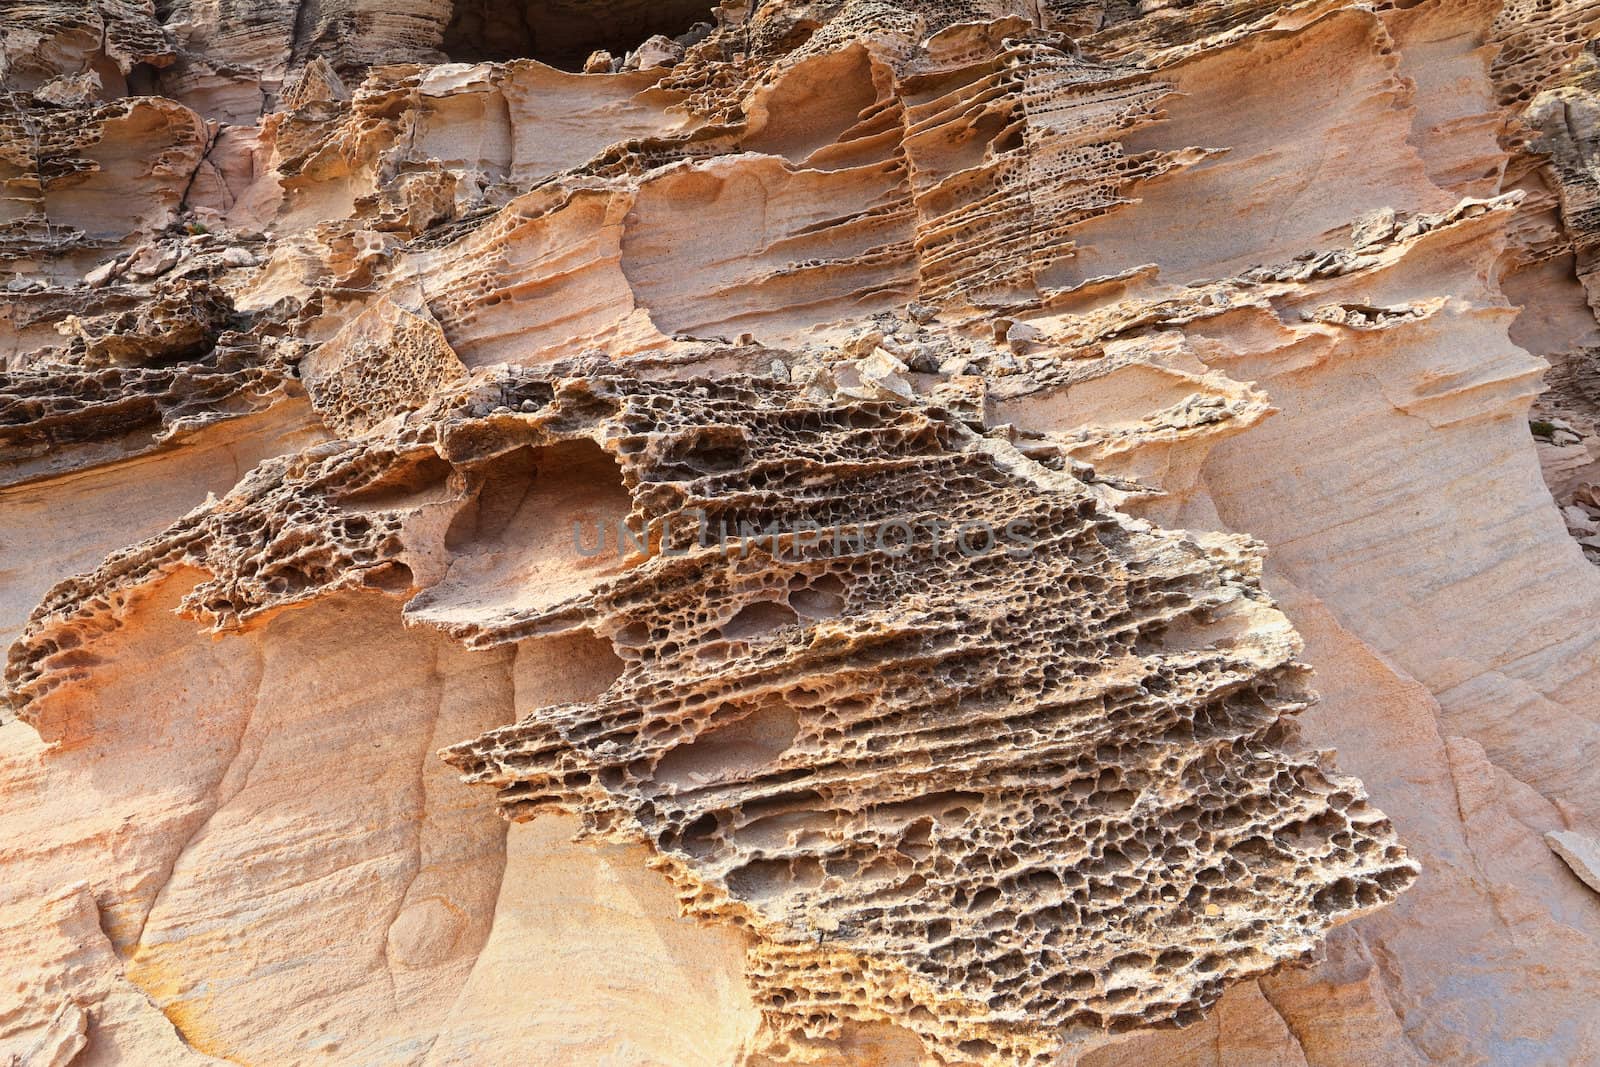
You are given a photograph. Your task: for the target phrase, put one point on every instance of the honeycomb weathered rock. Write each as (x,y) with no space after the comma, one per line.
(852,482)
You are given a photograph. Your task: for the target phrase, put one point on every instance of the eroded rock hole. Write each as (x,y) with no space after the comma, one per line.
(425,481)
(762,617)
(736,750)
(561,498)
(564,33)
(390,577)
(823,598)
(507,483)
(144,80)
(564,669)
(540,527)
(766,879)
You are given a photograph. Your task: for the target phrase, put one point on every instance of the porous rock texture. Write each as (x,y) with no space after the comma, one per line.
(830,531)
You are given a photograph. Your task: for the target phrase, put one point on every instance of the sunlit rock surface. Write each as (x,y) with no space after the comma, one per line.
(855,532)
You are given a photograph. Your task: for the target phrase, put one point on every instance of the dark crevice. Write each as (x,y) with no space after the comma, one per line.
(563,33)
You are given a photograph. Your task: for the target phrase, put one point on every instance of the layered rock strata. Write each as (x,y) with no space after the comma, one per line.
(842,531)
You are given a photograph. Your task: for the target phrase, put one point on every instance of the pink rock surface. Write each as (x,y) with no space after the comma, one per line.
(331,333)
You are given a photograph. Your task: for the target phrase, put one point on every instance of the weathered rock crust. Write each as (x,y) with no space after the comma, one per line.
(410,418)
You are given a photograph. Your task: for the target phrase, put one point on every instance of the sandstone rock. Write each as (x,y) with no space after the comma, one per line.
(1019,334)
(1580,521)
(66,1036)
(1580,853)
(808,543)
(387,360)
(101,274)
(1374,228)
(658,51)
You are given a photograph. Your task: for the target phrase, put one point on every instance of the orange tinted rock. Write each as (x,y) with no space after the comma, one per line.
(419,415)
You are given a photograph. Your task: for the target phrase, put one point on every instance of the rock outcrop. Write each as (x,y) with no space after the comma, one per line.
(834,531)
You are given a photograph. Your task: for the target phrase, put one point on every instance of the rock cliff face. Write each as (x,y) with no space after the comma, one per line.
(996,532)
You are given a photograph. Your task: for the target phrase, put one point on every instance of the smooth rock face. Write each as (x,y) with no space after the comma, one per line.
(852,532)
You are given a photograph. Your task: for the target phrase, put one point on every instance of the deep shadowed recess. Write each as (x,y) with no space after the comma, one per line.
(563,33)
